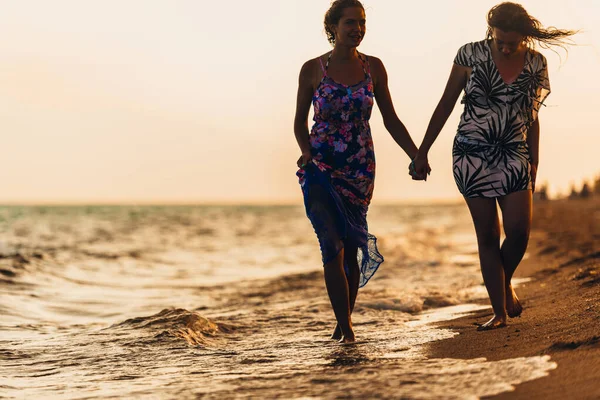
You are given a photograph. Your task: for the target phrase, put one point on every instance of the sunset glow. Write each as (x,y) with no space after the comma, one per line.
(187,101)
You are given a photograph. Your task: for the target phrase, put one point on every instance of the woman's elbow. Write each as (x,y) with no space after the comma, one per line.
(390,122)
(300,122)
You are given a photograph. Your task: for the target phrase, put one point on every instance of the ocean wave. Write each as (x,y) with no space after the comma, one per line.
(14,262)
(193,328)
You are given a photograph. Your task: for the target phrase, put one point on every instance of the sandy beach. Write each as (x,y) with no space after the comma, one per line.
(561,316)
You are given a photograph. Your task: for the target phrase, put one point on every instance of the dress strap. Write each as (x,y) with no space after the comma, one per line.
(326,64)
(322,67)
(365,64)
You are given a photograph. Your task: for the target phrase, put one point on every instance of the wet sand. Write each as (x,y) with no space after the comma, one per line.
(561,316)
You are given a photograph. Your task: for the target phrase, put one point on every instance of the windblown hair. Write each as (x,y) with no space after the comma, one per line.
(334,14)
(512,17)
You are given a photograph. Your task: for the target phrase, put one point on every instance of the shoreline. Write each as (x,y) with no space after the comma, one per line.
(561,316)
(265,337)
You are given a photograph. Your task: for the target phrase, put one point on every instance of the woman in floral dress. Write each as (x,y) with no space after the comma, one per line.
(337,165)
(496,147)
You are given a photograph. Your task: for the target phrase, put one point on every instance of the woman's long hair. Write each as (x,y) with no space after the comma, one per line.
(512,17)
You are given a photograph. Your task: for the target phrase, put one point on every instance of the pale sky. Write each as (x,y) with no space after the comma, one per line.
(193,101)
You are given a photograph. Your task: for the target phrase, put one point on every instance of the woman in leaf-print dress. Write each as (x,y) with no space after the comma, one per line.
(495,153)
(337,166)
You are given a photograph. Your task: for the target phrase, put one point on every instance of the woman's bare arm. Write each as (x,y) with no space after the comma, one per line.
(533,142)
(384,101)
(456,83)
(303,101)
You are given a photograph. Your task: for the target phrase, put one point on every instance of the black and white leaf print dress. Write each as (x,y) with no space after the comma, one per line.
(490,153)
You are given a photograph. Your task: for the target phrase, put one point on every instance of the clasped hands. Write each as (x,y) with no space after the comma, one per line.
(419,168)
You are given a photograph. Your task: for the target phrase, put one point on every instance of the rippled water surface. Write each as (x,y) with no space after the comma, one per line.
(188,302)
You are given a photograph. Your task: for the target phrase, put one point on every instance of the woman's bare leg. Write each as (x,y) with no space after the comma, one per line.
(487,227)
(516,218)
(350,258)
(339,295)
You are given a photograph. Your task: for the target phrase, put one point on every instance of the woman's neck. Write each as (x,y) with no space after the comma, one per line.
(344,54)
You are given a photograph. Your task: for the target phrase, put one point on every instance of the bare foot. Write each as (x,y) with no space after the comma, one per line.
(513,305)
(348,339)
(337,333)
(494,323)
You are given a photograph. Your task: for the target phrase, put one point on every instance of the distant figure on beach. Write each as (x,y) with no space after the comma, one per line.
(585,191)
(337,165)
(541,193)
(495,153)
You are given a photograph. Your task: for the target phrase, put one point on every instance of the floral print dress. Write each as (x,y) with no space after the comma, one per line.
(490,153)
(338,182)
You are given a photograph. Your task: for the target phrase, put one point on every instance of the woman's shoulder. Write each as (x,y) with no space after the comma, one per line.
(474,45)
(471,53)
(375,67)
(315,64)
(310,64)
(375,63)
(313,67)
(538,57)
(371,59)
(322,59)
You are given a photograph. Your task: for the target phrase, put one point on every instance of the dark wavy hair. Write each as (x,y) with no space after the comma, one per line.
(334,14)
(512,17)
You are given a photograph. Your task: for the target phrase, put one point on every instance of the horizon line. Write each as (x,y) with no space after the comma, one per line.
(229,202)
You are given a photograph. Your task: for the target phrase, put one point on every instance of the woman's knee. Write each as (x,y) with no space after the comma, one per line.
(336,262)
(490,239)
(351,258)
(518,234)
